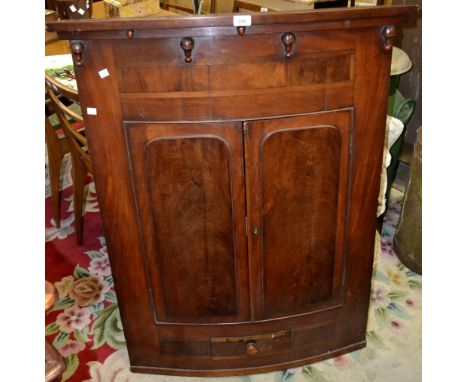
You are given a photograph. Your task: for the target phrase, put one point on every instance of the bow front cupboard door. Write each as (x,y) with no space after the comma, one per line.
(190,195)
(297,191)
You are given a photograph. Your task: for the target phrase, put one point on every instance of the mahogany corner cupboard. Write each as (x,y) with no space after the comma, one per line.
(237,165)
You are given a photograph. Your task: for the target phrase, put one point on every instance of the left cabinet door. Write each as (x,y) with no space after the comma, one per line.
(188,180)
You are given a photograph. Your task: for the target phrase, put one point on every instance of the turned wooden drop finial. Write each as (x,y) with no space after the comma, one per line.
(241,31)
(77,49)
(187,44)
(388,35)
(288,39)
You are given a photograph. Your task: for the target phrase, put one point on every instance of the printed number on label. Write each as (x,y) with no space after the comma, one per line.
(242,20)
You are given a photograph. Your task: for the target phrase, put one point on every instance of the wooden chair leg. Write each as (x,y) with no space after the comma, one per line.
(54,180)
(79,176)
(55,154)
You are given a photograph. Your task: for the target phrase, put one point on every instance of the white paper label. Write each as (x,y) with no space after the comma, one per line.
(103,73)
(263,9)
(81,11)
(91,111)
(242,20)
(72,8)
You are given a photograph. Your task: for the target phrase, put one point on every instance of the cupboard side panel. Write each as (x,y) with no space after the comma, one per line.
(370,95)
(107,146)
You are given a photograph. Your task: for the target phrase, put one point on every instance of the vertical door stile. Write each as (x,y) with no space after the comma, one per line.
(248,222)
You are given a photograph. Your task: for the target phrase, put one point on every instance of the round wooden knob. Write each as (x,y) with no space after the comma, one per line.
(251,348)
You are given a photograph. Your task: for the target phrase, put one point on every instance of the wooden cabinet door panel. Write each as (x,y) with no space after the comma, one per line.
(298,186)
(190,188)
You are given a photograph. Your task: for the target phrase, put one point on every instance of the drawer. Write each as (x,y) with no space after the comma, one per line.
(257,345)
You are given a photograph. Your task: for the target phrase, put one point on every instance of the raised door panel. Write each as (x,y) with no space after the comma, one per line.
(298,186)
(188,180)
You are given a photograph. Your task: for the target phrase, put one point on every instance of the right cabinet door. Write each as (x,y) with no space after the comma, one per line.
(297,191)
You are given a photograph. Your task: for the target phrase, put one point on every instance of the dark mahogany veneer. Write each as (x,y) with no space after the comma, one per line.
(237,171)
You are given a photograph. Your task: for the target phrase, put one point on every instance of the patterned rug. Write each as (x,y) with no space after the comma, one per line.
(84,324)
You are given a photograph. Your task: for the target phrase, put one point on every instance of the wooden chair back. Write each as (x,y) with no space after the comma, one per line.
(57,148)
(58,93)
(61,98)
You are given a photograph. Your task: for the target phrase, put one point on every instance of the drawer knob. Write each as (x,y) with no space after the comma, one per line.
(288,39)
(251,348)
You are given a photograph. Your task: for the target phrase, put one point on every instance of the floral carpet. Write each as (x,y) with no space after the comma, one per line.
(84,324)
